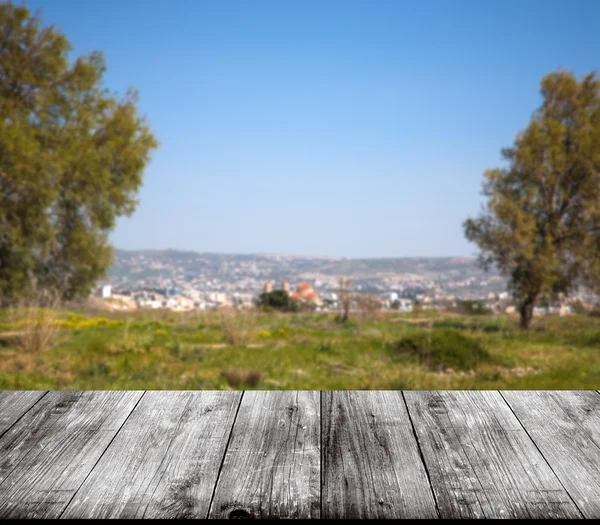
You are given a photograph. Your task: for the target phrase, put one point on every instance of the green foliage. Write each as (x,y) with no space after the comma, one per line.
(277,300)
(475,325)
(442,349)
(326,347)
(71,160)
(472,308)
(346,323)
(541,224)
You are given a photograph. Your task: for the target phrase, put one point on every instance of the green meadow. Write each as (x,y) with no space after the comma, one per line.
(43,349)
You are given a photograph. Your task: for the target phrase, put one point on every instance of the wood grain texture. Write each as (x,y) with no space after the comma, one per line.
(480,460)
(565,426)
(371,462)
(14,403)
(46,455)
(164,462)
(271,467)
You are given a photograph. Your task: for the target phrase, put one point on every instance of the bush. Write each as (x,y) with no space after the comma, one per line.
(236,378)
(482,325)
(471,308)
(277,300)
(441,349)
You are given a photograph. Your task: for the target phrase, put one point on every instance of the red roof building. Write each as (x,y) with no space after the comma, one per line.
(305,293)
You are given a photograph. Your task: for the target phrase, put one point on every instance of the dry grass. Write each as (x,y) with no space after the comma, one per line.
(369,306)
(238,326)
(36,322)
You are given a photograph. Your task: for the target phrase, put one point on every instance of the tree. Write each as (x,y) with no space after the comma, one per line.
(278,300)
(71,160)
(345,297)
(541,223)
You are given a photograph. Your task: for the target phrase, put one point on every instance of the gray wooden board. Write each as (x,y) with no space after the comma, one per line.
(165,460)
(46,455)
(480,460)
(271,468)
(371,462)
(565,425)
(13,404)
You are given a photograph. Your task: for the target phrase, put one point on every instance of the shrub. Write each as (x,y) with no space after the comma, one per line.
(277,300)
(441,349)
(482,325)
(233,377)
(236,378)
(471,308)
(252,378)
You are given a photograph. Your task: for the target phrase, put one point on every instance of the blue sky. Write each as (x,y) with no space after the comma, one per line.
(338,128)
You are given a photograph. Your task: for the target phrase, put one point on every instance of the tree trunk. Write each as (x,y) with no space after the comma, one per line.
(526,311)
(346,310)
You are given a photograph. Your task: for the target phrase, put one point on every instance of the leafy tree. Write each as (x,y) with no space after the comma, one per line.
(541,223)
(71,160)
(278,300)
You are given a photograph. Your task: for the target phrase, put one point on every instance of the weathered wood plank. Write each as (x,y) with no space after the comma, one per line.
(480,460)
(164,462)
(565,426)
(271,468)
(46,456)
(14,403)
(371,462)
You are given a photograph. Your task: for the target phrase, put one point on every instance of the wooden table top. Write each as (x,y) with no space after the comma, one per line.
(300,454)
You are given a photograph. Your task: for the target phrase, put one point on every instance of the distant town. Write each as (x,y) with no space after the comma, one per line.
(184,281)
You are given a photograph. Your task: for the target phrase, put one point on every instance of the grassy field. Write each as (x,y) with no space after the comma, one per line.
(167,350)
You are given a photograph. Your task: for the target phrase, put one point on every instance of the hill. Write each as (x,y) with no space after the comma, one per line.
(236,272)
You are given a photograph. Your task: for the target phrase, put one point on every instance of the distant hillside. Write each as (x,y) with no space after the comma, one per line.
(145,267)
(224,264)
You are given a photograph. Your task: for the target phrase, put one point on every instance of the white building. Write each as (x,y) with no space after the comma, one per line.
(406,305)
(105,291)
(391,296)
(217,297)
